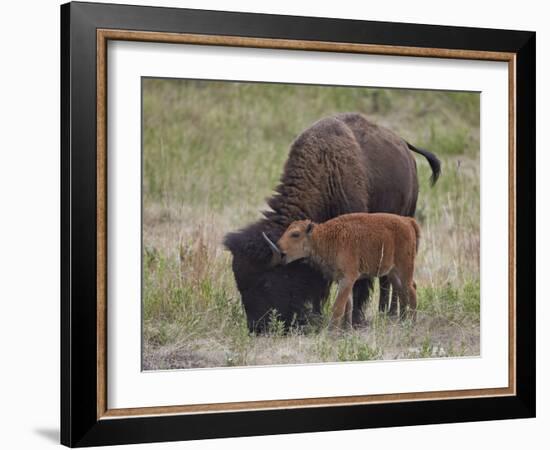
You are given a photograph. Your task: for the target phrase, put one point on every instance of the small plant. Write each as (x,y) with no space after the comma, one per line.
(426,348)
(276,327)
(353,348)
(324,346)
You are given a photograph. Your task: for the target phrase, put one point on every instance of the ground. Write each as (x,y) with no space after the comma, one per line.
(212,154)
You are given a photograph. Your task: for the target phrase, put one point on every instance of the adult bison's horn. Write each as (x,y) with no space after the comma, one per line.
(277,257)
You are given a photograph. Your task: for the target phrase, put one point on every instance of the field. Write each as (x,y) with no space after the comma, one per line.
(212,154)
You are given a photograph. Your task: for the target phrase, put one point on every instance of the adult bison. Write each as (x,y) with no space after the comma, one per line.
(339,165)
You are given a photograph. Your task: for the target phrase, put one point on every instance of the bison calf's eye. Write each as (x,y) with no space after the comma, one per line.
(296,234)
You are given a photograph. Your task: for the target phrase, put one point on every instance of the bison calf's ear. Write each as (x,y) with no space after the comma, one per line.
(310,227)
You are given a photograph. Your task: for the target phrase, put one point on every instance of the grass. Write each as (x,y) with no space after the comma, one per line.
(212,153)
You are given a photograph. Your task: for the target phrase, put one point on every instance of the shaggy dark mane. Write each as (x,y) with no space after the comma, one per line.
(324,175)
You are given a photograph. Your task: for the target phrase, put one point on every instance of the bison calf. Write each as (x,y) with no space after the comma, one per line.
(353,246)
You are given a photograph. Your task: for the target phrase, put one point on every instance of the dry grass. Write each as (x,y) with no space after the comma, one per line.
(213,151)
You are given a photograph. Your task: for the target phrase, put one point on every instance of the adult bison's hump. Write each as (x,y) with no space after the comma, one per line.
(340,164)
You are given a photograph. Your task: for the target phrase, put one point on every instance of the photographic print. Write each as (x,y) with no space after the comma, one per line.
(300,224)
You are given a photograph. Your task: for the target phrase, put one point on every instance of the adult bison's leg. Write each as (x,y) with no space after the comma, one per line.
(384,294)
(318,300)
(393,304)
(321,297)
(361,291)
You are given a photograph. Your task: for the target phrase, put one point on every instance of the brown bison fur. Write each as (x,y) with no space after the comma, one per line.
(341,164)
(352,246)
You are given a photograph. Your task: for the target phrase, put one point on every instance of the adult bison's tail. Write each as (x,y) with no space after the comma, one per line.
(434,162)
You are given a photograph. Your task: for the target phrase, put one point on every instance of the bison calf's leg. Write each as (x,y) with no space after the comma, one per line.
(406,289)
(412,300)
(407,301)
(345,289)
(400,290)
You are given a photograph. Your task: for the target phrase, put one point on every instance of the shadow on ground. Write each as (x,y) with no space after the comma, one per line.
(50,434)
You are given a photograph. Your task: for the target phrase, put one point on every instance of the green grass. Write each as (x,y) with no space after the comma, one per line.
(212,153)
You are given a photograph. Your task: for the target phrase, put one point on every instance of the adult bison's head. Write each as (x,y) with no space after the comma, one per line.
(290,290)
